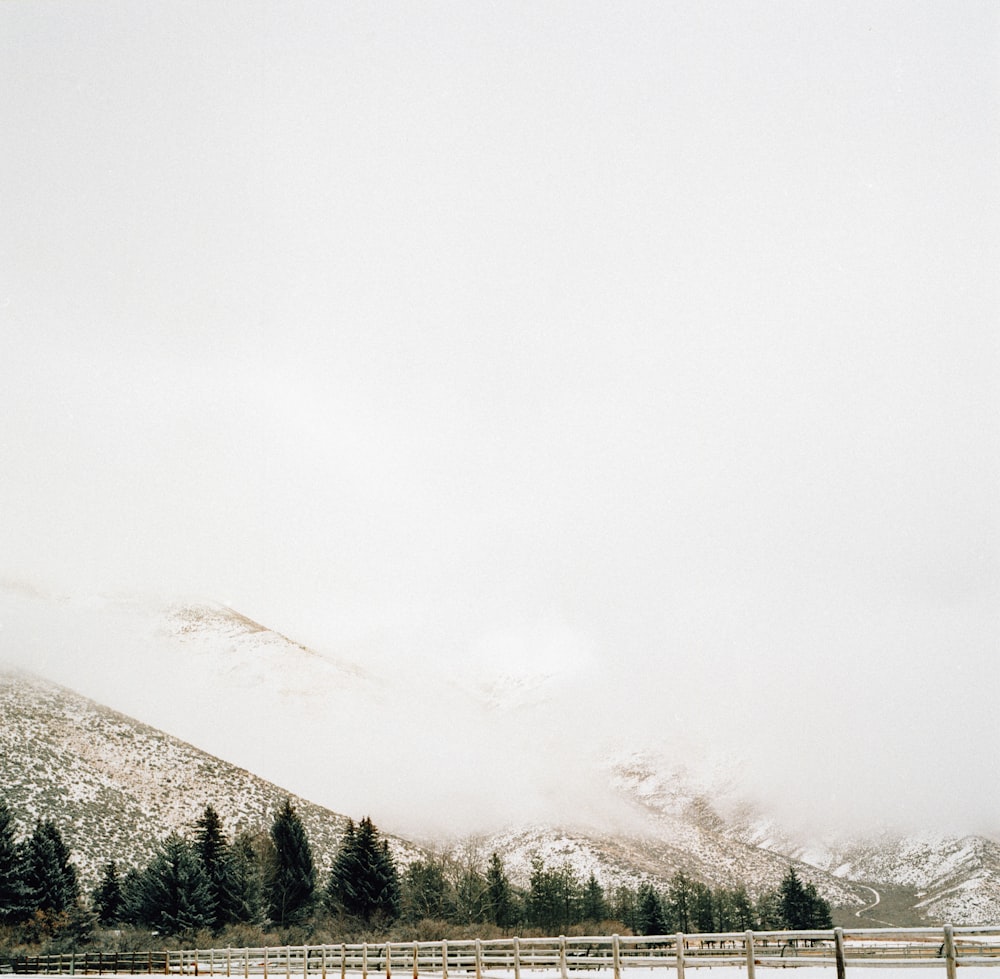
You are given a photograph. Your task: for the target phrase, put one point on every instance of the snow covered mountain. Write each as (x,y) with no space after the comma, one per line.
(499,753)
(115,787)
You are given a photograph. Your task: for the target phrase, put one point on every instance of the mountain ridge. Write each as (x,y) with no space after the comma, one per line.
(667,816)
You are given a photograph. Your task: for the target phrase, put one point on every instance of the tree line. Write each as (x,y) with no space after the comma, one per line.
(206,881)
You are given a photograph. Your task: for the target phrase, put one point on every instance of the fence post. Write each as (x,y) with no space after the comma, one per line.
(748,942)
(305,962)
(343,960)
(265,961)
(949,951)
(680,955)
(479,959)
(288,962)
(838,945)
(444,958)
(562,958)
(388,961)
(322,962)
(364,960)
(517,957)
(616,957)
(416,954)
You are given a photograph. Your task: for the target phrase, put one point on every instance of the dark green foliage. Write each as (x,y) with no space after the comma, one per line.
(800,906)
(650,919)
(501,908)
(246,865)
(703,907)
(624,907)
(218,859)
(733,909)
(50,879)
(13,898)
(364,882)
(593,907)
(553,898)
(107,898)
(291,882)
(679,905)
(172,895)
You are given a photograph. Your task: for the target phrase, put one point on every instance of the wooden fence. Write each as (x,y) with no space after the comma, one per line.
(512,958)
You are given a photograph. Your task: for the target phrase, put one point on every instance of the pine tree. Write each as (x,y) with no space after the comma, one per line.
(246,863)
(500,908)
(13,899)
(703,907)
(292,883)
(744,918)
(680,903)
(553,898)
(213,850)
(650,919)
(108,900)
(624,907)
(794,903)
(818,907)
(593,906)
(50,878)
(173,892)
(364,882)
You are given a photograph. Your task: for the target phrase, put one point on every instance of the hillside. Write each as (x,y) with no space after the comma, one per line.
(494,748)
(115,786)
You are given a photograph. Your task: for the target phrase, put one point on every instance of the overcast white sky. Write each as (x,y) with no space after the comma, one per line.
(654,337)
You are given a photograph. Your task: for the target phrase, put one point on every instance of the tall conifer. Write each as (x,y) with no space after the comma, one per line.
(292,882)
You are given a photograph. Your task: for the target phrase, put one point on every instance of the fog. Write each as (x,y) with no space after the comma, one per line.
(649,347)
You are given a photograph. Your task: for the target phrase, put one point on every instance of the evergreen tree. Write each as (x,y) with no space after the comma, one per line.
(552,902)
(624,907)
(500,907)
(702,907)
(800,906)
(768,912)
(819,909)
(364,882)
(108,899)
(743,916)
(680,903)
(246,863)
(13,899)
(650,919)
(173,892)
(133,904)
(292,882)
(50,879)
(593,907)
(213,850)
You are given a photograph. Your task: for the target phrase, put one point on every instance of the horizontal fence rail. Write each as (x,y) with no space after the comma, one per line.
(510,958)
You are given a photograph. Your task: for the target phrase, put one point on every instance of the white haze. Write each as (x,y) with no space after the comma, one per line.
(649,345)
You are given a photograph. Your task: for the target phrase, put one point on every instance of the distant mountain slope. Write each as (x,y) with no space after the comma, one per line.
(956,879)
(115,786)
(629,859)
(505,748)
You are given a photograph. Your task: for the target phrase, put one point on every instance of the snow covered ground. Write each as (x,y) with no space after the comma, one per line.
(716,972)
